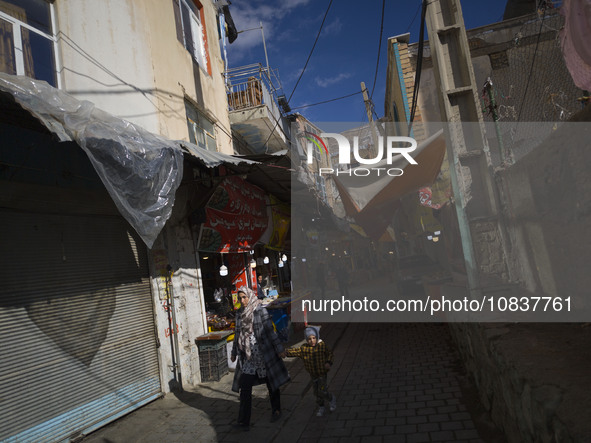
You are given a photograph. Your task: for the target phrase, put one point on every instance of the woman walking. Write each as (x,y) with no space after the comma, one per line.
(260,354)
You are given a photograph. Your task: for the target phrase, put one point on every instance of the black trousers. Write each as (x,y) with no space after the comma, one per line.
(247,381)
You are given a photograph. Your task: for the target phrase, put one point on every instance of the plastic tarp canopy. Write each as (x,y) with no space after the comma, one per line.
(140,170)
(212,159)
(361,193)
(372,200)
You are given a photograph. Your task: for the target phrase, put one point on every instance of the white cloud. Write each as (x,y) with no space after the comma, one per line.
(333,28)
(248,14)
(325,82)
(292,76)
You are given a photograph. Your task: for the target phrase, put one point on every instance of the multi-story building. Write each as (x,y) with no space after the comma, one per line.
(104,171)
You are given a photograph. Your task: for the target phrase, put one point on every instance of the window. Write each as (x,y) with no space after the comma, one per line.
(201,129)
(26,39)
(190,30)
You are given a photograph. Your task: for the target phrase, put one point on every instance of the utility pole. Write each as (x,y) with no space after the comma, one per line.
(367,102)
(368,110)
(476,202)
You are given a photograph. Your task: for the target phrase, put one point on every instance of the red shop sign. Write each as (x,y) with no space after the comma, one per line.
(236,217)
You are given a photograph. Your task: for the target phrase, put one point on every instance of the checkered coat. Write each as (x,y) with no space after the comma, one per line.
(270,347)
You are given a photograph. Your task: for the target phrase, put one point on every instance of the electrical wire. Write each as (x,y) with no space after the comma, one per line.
(415,17)
(327,101)
(303,70)
(419,66)
(541,2)
(375,78)
(311,51)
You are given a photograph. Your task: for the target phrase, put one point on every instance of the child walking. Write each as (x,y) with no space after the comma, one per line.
(317,358)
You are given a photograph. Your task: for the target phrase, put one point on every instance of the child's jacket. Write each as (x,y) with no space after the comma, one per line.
(314,357)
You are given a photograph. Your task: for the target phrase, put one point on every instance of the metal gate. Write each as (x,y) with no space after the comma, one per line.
(77,342)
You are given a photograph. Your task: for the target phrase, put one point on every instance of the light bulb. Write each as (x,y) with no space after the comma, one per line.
(284,257)
(266,260)
(280,263)
(253,264)
(223,270)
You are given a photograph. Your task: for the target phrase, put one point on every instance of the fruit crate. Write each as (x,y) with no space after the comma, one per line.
(214,372)
(212,354)
(213,359)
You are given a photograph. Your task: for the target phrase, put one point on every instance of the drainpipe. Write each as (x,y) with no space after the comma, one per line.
(176,359)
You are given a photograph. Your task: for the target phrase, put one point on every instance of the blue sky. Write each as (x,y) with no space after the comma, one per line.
(347,50)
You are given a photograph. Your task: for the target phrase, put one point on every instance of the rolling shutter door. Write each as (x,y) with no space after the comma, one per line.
(77,336)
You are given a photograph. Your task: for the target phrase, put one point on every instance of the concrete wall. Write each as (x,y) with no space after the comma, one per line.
(531,84)
(546,196)
(124,56)
(533,378)
(530,79)
(175,247)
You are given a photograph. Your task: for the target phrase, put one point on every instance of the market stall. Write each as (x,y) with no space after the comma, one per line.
(239,235)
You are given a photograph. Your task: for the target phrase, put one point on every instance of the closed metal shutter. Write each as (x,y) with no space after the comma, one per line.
(77,343)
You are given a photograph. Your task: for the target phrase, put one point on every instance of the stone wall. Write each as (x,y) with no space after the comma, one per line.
(531,378)
(546,197)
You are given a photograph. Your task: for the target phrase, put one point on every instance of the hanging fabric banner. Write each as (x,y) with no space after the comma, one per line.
(236,217)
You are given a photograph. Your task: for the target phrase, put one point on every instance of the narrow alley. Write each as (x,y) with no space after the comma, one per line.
(395,382)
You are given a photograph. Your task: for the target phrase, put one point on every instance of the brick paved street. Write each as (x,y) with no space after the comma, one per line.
(394,383)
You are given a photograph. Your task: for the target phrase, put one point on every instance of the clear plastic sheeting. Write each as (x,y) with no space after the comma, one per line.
(212,159)
(140,170)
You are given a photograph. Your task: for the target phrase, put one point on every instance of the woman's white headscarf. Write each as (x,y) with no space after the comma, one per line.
(247,317)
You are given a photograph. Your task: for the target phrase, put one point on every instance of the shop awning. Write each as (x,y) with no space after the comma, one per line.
(140,170)
(270,172)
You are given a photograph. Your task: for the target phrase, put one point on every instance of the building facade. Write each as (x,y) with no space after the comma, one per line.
(99,318)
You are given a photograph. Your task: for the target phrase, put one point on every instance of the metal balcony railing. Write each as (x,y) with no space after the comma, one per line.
(253,85)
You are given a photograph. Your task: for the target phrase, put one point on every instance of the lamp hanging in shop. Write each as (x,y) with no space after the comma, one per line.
(266,260)
(253,263)
(280,263)
(284,257)
(223,268)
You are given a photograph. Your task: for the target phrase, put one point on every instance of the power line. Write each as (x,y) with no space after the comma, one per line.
(303,69)
(311,51)
(375,78)
(419,66)
(328,101)
(414,18)
(541,3)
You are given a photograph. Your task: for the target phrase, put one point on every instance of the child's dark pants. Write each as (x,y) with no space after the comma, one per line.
(321,390)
